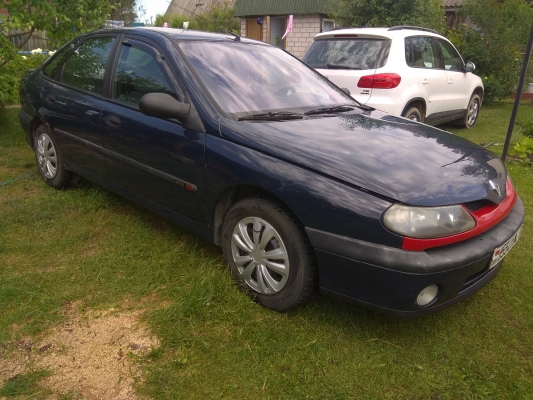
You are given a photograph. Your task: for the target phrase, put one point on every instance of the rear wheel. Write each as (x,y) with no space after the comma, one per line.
(414,114)
(268,254)
(49,160)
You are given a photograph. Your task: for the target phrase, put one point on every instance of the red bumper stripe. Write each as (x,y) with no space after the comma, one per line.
(486,218)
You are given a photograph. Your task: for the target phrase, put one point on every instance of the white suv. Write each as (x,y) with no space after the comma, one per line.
(408,71)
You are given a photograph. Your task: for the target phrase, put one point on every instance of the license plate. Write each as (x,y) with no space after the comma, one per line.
(501,251)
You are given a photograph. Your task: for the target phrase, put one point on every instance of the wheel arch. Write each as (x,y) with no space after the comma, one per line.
(238,192)
(419,102)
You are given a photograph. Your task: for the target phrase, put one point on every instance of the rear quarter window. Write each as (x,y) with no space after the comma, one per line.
(354,53)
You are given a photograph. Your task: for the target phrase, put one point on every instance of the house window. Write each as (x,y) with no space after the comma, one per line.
(327,25)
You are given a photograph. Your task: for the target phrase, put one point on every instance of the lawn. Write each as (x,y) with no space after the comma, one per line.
(87,250)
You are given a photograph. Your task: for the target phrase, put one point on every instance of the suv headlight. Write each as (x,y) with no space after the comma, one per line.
(428,222)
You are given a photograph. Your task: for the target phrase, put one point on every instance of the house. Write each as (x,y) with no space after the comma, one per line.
(451,8)
(192,7)
(267,21)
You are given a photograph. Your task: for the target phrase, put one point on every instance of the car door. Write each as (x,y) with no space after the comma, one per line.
(155,158)
(73,101)
(458,88)
(431,77)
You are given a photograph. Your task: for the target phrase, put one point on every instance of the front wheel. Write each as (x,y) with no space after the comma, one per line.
(268,254)
(49,160)
(472,112)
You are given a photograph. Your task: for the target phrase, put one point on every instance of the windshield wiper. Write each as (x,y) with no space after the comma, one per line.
(341,66)
(272,116)
(330,110)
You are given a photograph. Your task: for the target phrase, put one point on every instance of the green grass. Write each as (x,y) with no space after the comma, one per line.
(88,244)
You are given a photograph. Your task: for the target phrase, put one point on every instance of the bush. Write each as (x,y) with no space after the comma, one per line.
(12,72)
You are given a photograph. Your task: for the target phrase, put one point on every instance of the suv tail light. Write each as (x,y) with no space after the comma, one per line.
(379,81)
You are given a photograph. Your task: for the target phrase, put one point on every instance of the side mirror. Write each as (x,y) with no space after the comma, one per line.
(162,105)
(470,67)
(346,90)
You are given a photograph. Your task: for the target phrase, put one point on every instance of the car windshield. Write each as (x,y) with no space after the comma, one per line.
(342,53)
(246,79)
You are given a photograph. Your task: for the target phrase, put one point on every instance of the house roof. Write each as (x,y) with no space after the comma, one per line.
(192,7)
(453,3)
(280,7)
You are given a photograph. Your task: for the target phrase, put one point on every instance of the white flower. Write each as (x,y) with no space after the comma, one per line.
(51,52)
(36,51)
(24,57)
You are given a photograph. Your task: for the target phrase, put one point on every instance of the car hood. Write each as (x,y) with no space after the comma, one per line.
(393,157)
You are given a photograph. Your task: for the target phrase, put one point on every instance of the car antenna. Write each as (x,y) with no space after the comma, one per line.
(237,37)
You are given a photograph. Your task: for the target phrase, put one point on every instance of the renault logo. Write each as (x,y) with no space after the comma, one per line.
(495,188)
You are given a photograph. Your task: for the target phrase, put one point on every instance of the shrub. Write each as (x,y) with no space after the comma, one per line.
(12,72)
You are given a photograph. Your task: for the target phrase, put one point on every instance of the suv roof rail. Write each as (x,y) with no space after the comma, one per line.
(416,28)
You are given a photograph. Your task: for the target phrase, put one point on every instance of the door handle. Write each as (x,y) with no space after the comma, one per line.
(50,99)
(425,81)
(450,81)
(112,121)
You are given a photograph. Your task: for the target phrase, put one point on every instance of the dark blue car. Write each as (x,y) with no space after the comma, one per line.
(301,186)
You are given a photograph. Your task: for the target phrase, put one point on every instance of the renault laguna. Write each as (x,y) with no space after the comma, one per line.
(303,187)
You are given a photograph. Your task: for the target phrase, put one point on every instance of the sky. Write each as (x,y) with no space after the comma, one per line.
(154,7)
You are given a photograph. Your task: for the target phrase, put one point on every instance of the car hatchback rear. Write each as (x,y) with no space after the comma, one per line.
(405,71)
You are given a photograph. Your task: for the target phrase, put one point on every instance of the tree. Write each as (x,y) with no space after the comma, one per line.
(494,42)
(126,10)
(383,13)
(61,19)
(218,18)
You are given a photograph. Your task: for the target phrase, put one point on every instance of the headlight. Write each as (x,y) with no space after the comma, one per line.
(428,222)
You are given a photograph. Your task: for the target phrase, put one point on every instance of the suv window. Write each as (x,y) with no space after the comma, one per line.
(138,73)
(452,59)
(420,52)
(348,53)
(85,68)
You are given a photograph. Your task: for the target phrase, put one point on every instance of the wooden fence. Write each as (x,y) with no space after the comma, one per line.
(38,40)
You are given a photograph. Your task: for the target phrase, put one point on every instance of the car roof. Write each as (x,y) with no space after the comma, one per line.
(176,34)
(389,33)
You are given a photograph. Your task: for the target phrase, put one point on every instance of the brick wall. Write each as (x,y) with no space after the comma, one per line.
(305,27)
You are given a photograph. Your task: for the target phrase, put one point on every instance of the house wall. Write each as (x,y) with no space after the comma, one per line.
(305,27)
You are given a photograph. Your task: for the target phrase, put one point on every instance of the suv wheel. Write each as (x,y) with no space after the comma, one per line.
(472,112)
(414,114)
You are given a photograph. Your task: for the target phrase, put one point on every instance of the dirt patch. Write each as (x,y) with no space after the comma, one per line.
(89,355)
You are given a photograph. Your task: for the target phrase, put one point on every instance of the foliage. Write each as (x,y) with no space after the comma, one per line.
(13,71)
(126,10)
(424,13)
(218,18)
(526,126)
(61,19)
(523,150)
(494,43)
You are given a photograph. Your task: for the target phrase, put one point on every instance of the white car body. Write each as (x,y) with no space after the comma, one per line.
(434,77)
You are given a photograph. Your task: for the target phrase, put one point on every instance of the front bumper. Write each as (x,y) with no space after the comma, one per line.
(389,279)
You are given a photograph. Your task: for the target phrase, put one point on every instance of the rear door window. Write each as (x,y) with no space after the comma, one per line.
(348,53)
(85,68)
(420,52)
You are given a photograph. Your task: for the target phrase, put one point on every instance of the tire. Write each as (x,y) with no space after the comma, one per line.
(273,263)
(472,112)
(49,159)
(414,114)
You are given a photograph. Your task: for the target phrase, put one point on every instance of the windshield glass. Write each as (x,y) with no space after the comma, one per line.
(245,79)
(348,53)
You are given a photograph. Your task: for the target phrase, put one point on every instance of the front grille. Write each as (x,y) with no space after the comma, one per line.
(476,205)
